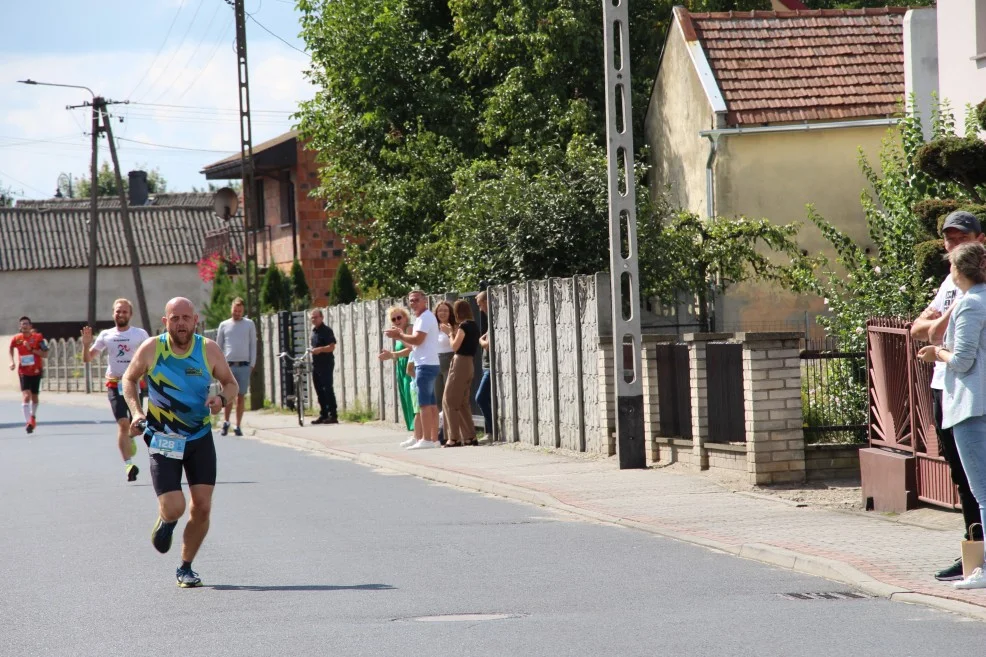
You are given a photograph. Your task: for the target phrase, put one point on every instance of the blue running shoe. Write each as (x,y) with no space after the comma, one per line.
(161,535)
(187,578)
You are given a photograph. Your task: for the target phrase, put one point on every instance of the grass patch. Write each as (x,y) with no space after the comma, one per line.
(358,412)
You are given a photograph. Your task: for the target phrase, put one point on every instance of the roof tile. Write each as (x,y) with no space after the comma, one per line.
(775,67)
(59,239)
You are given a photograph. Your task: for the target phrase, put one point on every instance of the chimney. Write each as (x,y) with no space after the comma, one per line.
(138,187)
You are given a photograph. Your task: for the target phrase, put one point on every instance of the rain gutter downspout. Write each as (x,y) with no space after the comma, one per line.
(710,194)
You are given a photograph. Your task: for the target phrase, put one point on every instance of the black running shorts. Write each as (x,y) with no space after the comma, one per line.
(31,382)
(199,464)
(119,405)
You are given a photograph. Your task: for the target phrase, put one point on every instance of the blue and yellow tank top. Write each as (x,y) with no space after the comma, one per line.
(178,388)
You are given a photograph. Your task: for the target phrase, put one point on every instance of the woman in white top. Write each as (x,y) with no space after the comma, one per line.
(446,329)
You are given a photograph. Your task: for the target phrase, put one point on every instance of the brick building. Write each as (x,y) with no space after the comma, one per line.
(291,223)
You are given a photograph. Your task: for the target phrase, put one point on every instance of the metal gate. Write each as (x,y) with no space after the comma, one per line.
(901,416)
(724,372)
(674,390)
(292,331)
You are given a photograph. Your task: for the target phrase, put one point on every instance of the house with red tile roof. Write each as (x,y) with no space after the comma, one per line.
(290,224)
(44,258)
(761,113)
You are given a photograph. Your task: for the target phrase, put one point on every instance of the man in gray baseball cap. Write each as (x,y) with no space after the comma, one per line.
(958,228)
(963,221)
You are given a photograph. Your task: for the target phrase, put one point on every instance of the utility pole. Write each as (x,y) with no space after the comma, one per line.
(97,104)
(251,229)
(128,231)
(624,281)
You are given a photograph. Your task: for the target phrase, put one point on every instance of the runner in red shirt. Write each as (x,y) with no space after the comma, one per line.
(27,351)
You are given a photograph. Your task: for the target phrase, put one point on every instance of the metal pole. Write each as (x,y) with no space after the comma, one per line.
(128,231)
(623,230)
(250,232)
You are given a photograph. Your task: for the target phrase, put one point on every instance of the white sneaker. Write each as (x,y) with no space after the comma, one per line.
(423,444)
(410,441)
(977,580)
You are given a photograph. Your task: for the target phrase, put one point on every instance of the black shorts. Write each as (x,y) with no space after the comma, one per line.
(31,382)
(199,464)
(119,405)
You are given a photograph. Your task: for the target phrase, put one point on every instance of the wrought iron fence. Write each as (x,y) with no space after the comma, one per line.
(833,393)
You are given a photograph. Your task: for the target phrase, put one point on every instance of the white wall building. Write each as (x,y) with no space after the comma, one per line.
(44,258)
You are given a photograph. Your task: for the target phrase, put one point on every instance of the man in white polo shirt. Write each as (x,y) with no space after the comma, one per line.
(120,343)
(958,228)
(424,345)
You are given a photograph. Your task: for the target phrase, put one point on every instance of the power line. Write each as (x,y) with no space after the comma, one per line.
(21,141)
(212,55)
(175,51)
(174,148)
(202,108)
(160,48)
(205,35)
(264,28)
(21,182)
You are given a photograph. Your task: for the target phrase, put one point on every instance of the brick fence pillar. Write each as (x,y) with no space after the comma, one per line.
(775,445)
(699,391)
(649,381)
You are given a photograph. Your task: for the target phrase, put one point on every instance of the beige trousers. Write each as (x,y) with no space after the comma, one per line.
(456,404)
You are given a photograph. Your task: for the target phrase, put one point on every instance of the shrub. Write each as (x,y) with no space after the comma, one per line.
(343,288)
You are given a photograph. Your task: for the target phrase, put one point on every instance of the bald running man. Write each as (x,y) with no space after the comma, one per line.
(180,366)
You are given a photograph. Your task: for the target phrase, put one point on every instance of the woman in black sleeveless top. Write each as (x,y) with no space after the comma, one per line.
(459,429)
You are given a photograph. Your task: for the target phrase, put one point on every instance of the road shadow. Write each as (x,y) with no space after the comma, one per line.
(303,587)
(55,423)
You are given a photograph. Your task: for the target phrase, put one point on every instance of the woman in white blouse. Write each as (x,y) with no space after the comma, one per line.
(446,329)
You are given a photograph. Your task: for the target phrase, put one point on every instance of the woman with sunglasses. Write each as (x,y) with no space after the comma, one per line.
(400,318)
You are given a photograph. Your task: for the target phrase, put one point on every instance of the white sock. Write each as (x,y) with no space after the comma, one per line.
(27,412)
(34,408)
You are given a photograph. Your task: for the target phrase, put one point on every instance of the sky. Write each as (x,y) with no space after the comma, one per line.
(178,53)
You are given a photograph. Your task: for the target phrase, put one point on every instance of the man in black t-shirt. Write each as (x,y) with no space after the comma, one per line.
(323,363)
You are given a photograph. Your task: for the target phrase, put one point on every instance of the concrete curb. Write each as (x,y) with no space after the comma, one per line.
(830,569)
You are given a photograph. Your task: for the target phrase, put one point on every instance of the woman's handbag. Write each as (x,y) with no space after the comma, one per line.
(972,554)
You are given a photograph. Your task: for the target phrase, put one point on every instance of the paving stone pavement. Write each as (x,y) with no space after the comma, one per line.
(863,549)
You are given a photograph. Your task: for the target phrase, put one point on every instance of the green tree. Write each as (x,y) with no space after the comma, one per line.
(106,182)
(343,288)
(275,291)
(416,97)
(301,297)
(225,288)
(704,257)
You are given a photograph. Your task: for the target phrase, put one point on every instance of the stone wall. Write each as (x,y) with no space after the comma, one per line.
(824,462)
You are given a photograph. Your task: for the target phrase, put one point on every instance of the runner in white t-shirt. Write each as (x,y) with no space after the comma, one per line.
(120,344)
(958,228)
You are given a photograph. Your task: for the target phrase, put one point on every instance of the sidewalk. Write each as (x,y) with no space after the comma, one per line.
(865,550)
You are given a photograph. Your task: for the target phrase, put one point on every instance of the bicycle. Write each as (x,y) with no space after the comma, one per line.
(300,367)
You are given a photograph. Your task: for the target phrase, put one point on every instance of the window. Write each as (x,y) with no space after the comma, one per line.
(259,203)
(287,202)
(980,18)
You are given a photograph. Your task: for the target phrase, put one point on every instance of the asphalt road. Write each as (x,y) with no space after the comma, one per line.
(310,555)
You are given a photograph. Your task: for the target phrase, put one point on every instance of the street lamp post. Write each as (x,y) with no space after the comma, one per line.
(93,193)
(97,103)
